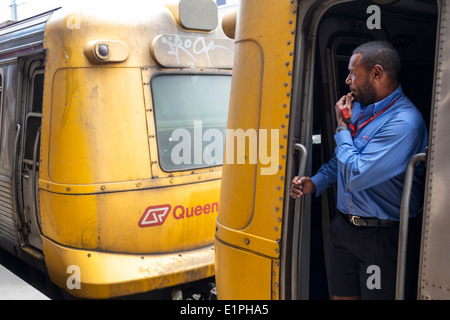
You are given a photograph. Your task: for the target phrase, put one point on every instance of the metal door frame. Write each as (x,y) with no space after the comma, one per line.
(32,67)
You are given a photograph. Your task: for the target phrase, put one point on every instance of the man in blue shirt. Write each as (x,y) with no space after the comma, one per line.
(370,160)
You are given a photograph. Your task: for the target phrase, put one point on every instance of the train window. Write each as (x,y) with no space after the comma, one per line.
(33,124)
(33,119)
(191,113)
(38,92)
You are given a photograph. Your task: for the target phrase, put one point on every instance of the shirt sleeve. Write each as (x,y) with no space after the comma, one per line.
(385,156)
(326,176)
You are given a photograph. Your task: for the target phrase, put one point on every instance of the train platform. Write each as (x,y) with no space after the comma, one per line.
(14,288)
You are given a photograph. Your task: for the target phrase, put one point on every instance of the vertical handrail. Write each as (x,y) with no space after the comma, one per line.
(303,154)
(15,184)
(34,177)
(299,226)
(404,223)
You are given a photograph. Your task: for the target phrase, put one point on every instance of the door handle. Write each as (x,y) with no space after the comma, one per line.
(301,232)
(303,156)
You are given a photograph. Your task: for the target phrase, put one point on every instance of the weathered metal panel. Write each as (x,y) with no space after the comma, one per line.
(435,258)
(7,226)
(23,37)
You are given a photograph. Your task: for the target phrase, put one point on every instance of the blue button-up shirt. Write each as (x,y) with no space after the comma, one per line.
(370,168)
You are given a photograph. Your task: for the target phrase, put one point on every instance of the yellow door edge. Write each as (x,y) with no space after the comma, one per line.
(229,262)
(247,241)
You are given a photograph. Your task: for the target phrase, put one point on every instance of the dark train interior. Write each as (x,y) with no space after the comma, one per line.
(411,26)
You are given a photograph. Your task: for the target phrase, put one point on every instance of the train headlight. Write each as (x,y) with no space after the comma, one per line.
(100,51)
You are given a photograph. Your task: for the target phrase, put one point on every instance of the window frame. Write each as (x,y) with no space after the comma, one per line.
(193,168)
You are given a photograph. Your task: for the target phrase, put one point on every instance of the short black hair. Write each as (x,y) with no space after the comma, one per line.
(382,53)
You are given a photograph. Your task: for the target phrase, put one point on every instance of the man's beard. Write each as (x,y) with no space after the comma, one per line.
(366,95)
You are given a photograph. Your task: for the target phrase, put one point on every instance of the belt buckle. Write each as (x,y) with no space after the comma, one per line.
(355,222)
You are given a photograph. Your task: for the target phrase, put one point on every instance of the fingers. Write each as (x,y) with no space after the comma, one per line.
(345,101)
(348,101)
(349,104)
(341,102)
(344,109)
(339,106)
(296,190)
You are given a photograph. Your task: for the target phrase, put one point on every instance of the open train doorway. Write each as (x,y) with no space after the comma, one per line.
(33,88)
(411,26)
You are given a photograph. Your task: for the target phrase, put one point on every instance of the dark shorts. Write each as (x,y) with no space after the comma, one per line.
(362,260)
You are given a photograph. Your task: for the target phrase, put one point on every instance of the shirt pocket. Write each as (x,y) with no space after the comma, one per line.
(361,142)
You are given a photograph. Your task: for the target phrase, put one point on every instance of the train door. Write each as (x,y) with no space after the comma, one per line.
(33,86)
(325,34)
(341,28)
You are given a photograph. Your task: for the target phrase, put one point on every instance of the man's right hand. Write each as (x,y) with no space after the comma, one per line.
(301,186)
(346,102)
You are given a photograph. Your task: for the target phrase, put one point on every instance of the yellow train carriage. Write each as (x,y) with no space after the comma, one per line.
(119,200)
(291,62)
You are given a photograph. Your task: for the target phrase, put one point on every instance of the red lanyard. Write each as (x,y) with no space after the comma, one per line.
(354,132)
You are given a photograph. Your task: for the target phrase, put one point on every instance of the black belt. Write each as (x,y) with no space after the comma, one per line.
(368,221)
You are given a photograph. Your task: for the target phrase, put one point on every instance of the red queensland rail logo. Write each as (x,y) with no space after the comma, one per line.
(154,216)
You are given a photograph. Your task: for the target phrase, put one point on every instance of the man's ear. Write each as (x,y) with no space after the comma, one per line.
(378,72)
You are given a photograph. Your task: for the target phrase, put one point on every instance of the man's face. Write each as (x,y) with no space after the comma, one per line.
(359,81)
